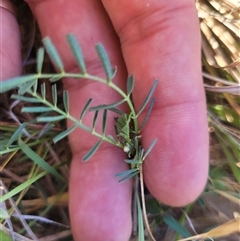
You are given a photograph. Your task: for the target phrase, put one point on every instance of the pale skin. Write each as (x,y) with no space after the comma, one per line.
(150,39)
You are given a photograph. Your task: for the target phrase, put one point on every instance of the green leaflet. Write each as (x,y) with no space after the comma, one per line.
(64,134)
(104,121)
(66,101)
(36,109)
(149,96)
(150,148)
(85,109)
(53,53)
(77,52)
(25,99)
(127,174)
(130,84)
(124,173)
(94,120)
(92,151)
(148,114)
(50,118)
(43,90)
(54,94)
(40,57)
(105,62)
(110,106)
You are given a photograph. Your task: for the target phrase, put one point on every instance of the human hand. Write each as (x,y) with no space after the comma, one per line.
(152,39)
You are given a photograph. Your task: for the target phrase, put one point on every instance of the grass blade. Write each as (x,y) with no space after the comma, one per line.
(85,109)
(15,82)
(176,226)
(130,84)
(63,134)
(50,118)
(77,52)
(66,101)
(54,94)
(105,61)
(40,57)
(150,148)
(92,151)
(231,160)
(149,96)
(16,134)
(110,106)
(4,236)
(26,99)
(22,186)
(104,121)
(36,109)
(140,221)
(53,53)
(37,159)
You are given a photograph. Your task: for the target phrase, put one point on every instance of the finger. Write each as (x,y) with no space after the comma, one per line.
(100,207)
(10,52)
(160,39)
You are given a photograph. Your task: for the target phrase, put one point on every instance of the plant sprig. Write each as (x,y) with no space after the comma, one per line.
(128,137)
(128,131)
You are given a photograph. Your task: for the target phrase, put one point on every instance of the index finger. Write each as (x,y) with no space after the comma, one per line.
(161,39)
